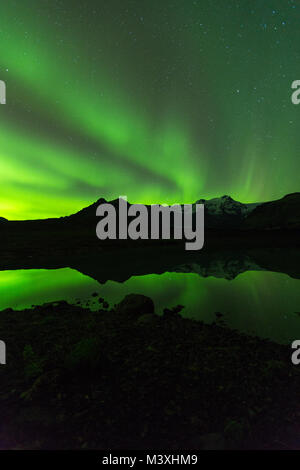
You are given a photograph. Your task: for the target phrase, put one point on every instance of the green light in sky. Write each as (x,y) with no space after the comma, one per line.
(102,105)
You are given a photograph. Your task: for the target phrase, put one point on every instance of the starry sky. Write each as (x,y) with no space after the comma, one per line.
(163,101)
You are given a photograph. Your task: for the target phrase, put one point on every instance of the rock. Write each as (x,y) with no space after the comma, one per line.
(146,319)
(135,305)
(173,311)
(84,355)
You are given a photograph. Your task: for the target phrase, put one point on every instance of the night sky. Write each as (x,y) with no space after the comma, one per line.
(164,101)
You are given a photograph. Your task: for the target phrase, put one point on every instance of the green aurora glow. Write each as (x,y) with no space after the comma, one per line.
(269,299)
(160,101)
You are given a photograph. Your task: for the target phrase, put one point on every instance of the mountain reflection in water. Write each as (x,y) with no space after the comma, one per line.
(263,303)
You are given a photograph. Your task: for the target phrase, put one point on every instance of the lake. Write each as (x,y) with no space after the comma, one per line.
(266,304)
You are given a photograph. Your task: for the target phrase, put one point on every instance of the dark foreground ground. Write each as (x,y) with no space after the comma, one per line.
(126,378)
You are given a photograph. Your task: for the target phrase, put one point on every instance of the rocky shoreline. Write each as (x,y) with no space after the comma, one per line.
(125,378)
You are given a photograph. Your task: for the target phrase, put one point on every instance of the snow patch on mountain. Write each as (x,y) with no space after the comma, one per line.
(220,268)
(226,205)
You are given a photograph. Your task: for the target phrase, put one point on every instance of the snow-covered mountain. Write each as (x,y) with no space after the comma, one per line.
(225,211)
(226,205)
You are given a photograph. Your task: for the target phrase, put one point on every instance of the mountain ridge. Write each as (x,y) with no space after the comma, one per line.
(221,213)
(226,213)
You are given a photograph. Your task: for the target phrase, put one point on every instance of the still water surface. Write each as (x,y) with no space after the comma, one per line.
(263,303)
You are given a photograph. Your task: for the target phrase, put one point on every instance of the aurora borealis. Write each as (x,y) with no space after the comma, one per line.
(164,102)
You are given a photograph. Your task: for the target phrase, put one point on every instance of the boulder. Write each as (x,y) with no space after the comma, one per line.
(146,319)
(135,305)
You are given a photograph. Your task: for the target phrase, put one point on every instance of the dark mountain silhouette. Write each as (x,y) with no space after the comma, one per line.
(218,211)
(238,237)
(226,213)
(228,224)
(281,214)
